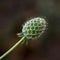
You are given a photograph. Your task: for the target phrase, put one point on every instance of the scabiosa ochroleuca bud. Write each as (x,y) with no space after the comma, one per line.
(34,28)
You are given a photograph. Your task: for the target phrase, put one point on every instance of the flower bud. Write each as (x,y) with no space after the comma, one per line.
(34,28)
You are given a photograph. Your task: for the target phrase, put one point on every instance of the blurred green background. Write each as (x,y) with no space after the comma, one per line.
(14,13)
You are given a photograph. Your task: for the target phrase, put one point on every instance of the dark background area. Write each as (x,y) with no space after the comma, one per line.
(14,13)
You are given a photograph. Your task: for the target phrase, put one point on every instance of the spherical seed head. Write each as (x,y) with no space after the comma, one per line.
(34,28)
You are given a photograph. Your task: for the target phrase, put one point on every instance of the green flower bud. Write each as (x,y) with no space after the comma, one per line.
(34,28)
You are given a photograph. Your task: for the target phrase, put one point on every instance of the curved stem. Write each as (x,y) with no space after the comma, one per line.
(12,48)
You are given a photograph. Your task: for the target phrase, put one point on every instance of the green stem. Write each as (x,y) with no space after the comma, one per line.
(12,48)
